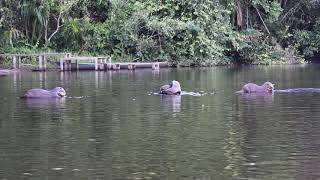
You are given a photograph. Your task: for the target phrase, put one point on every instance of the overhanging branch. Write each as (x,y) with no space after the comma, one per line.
(262,20)
(57,29)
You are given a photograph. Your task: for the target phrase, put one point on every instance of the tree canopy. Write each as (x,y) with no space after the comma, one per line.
(194,32)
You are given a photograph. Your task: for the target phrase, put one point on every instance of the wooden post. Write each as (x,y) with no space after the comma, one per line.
(69,64)
(116,66)
(14,66)
(40,62)
(77,64)
(101,64)
(65,62)
(131,66)
(61,64)
(19,62)
(96,64)
(44,58)
(104,63)
(110,65)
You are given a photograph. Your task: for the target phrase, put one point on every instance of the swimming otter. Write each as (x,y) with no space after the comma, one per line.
(173,88)
(57,92)
(266,87)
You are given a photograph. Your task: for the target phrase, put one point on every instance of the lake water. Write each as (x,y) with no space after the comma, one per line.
(112,126)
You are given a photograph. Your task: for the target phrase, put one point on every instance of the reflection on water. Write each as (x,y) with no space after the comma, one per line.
(172,102)
(45,103)
(256,98)
(111,127)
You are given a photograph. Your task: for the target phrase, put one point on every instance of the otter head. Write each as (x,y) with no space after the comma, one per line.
(59,91)
(176,85)
(268,86)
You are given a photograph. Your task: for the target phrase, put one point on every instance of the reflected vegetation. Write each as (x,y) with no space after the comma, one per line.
(111,127)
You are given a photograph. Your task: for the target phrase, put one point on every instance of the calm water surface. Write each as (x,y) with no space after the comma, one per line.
(111,126)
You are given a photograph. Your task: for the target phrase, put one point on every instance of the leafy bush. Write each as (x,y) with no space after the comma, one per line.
(198,32)
(308,42)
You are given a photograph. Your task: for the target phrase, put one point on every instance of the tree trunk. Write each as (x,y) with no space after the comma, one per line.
(239,16)
(283,3)
(48,39)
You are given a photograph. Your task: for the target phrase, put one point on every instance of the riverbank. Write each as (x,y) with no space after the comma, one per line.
(49,61)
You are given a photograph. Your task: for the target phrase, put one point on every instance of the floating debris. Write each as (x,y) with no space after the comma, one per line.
(151,173)
(57,169)
(27,174)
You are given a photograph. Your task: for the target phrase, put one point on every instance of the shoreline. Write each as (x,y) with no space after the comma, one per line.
(134,66)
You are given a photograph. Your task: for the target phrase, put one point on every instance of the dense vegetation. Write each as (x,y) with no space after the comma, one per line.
(193,32)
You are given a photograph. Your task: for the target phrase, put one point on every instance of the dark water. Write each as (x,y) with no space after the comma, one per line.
(111,126)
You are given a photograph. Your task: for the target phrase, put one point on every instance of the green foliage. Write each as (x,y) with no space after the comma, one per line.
(308,42)
(259,52)
(197,32)
(272,9)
